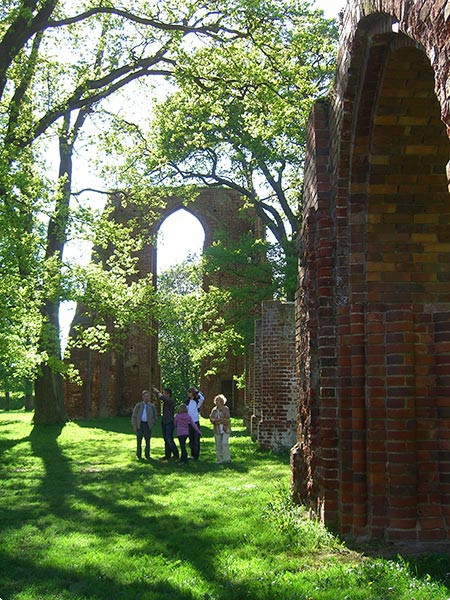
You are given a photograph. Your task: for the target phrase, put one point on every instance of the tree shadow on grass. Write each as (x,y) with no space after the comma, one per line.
(58,481)
(7,441)
(191,541)
(8,444)
(92,499)
(156,533)
(112,424)
(33,580)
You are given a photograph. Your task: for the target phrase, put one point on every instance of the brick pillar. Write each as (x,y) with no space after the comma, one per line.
(440,373)
(432,369)
(257,381)
(314,460)
(376,390)
(275,355)
(401,423)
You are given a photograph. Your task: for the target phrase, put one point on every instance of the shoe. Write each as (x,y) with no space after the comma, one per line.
(164,458)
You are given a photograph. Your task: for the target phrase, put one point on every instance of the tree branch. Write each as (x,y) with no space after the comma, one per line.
(89,189)
(20,32)
(77,101)
(20,91)
(210,30)
(267,213)
(281,196)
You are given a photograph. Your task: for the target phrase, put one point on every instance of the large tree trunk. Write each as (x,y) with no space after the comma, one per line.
(49,405)
(49,401)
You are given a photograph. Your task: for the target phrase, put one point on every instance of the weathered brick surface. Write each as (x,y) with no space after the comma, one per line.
(112,383)
(274,403)
(373,309)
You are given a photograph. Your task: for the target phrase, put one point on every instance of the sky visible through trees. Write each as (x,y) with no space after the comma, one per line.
(174,229)
(174,246)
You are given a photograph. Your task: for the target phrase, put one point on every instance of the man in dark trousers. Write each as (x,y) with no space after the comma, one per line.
(143,419)
(194,402)
(167,422)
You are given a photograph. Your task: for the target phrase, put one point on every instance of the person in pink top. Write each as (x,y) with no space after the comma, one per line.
(182,421)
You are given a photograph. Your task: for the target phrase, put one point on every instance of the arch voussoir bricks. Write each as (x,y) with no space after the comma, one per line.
(373,312)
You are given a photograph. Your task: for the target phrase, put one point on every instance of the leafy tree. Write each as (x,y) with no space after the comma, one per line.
(42,88)
(238,115)
(180,298)
(246,277)
(201,321)
(237,118)
(45,92)
(112,295)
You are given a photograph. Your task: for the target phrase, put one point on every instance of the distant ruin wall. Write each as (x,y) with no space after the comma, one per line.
(112,382)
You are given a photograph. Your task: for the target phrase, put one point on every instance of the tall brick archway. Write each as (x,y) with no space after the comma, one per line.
(112,382)
(373,451)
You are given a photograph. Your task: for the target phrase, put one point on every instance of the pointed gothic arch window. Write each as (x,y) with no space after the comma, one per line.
(180,235)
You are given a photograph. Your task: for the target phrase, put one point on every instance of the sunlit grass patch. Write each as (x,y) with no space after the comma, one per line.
(80,519)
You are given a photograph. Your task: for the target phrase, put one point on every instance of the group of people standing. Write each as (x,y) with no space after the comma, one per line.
(186,421)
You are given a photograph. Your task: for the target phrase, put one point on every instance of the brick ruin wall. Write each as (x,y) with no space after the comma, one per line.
(112,382)
(373,312)
(271,407)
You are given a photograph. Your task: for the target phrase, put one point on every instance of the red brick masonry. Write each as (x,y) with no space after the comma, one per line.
(373,311)
(271,394)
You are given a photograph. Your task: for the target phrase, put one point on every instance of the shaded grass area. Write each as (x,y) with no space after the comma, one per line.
(81,518)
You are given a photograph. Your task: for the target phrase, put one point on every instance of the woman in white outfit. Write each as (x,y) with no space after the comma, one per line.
(220,418)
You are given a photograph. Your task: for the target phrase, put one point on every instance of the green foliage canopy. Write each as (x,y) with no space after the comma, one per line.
(59,61)
(239,112)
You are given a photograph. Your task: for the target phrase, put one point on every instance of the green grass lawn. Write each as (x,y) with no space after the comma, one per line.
(80,517)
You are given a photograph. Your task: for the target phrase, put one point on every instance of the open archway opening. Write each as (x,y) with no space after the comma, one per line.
(180,236)
(179,283)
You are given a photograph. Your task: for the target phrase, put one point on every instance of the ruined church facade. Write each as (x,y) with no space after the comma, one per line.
(112,381)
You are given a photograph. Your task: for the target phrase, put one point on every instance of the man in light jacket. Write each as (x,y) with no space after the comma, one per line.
(143,419)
